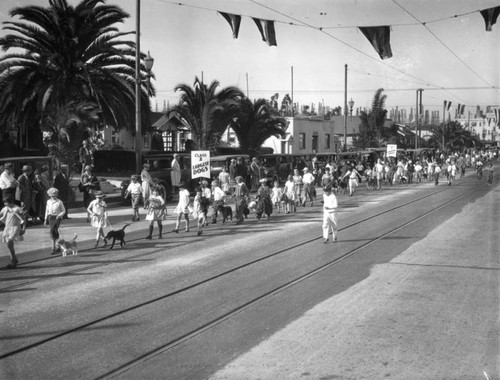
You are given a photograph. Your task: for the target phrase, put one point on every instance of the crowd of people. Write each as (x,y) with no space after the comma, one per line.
(35,198)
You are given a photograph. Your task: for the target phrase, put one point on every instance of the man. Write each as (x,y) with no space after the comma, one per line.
(255,172)
(25,194)
(309,190)
(8,183)
(330,206)
(85,155)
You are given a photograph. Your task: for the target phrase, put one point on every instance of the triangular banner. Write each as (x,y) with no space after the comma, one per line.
(266,29)
(380,38)
(234,21)
(490,16)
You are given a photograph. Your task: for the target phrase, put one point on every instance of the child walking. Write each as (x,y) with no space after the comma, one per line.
(200,209)
(98,217)
(134,189)
(54,212)
(12,216)
(182,208)
(156,212)
(276,195)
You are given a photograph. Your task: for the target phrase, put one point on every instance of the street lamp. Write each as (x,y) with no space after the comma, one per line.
(351,104)
(148,62)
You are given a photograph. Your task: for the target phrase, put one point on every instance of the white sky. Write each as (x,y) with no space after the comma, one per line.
(458,56)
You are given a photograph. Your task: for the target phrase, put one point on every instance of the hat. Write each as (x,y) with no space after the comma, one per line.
(237,178)
(182,184)
(52,192)
(26,168)
(88,167)
(263,180)
(134,176)
(204,182)
(99,194)
(8,165)
(305,169)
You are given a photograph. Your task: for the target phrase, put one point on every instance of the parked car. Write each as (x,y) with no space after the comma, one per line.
(36,162)
(277,167)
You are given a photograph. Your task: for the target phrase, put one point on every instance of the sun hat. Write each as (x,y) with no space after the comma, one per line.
(52,192)
(99,194)
(88,167)
(26,168)
(263,180)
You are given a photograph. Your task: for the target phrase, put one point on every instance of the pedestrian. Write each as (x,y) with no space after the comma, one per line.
(276,195)
(326,178)
(290,194)
(255,172)
(379,173)
(224,180)
(8,183)
(200,209)
(146,182)
(353,176)
(297,179)
(12,217)
(490,173)
(206,192)
(89,185)
(437,170)
(330,206)
(98,217)
(309,190)
(232,173)
(451,172)
(156,212)
(263,198)
(85,155)
(218,198)
(41,186)
(61,183)
(54,212)
(175,173)
(25,193)
(134,190)
(241,194)
(182,209)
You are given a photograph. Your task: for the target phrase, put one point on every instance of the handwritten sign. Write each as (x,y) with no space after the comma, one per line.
(392,150)
(200,164)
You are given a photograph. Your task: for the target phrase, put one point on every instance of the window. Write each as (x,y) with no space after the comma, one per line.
(327,141)
(302,141)
(315,143)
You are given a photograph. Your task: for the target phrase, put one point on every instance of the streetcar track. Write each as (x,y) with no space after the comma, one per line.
(241,308)
(154,251)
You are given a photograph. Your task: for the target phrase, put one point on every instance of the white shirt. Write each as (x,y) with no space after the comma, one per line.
(330,203)
(7,180)
(218,194)
(308,178)
(55,207)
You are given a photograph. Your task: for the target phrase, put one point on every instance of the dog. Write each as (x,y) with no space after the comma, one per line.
(67,246)
(227,213)
(252,206)
(117,235)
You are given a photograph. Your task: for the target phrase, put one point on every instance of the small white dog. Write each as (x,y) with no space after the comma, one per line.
(67,246)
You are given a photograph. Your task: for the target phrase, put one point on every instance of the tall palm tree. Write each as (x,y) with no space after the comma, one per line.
(207,112)
(455,137)
(62,55)
(372,132)
(255,123)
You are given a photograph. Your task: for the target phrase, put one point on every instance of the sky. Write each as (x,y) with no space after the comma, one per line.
(450,58)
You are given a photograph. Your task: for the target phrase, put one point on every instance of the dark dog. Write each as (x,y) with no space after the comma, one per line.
(227,213)
(117,235)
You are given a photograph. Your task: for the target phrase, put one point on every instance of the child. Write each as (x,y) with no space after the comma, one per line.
(156,212)
(490,174)
(134,189)
(11,216)
(98,217)
(224,180)
(330,223)
(54,212)
(200,209)
(290,195)
(182,208)
(276,196)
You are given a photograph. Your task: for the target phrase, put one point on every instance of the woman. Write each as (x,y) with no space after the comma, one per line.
(290,194)
(12,216)
(297,179)
(89,184)
(182,209)
(147,182)
(241,194)
(175,173)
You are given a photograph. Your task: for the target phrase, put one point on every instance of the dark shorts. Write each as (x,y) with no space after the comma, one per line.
(54,223)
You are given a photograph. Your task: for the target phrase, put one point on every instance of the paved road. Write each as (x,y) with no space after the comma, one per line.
(419,302)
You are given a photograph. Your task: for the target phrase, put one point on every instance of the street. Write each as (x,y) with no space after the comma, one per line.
(410,291)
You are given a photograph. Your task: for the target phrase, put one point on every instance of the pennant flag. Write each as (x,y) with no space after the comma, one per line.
(266,29)
(234,21)
(379,37)
(490,16)
(447,105)
(497,112)
(461,109)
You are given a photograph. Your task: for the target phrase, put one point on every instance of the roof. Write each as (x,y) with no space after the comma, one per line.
(172,122)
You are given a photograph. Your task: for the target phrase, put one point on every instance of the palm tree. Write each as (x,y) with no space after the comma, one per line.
(371,131)
(255,123)
(454,136)
(207,112)
(61,56)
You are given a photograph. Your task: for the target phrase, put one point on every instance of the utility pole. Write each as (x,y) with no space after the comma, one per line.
(345,110)
(293,112)
(138,116)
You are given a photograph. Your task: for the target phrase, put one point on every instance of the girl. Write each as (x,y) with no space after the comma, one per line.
(98,217)
(224,180)
(182,208)
(156,212)
(11,216)
(297,179)
(200,209)
(263,198)
(241,194)
(276,195)
(54,212)
(290,195)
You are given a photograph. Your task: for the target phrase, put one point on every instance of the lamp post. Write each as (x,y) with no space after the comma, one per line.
(148,62)
(345,109)
(351,104)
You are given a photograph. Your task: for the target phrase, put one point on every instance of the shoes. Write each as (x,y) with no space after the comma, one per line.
(175,230)
(335,239)
(160,237)
(187,229)
(325,241)
(53,253)
(149,237)
(12,264)
(199,232)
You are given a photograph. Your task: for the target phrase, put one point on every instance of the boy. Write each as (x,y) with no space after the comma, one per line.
(134,189)
(54,212)
(330,206)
